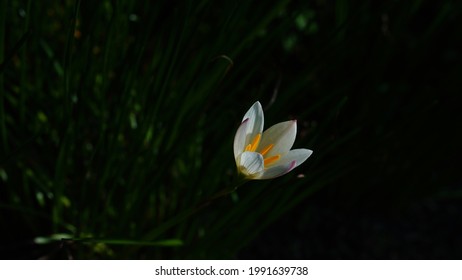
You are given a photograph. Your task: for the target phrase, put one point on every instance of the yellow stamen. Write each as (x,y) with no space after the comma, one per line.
(267,149)
(252,147)
(272,159)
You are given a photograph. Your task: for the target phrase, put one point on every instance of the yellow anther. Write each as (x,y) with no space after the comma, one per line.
(252,147)
(272,159)
(267,149)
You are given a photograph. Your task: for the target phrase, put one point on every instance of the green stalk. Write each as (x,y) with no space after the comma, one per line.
(188,213)
(22,96)
(3,132)
(67,59)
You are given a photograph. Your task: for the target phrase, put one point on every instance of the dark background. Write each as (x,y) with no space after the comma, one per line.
(401,71)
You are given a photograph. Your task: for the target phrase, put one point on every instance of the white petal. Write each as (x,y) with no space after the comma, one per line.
(256,121)
(299,155)
(239,138)
(281,136)
(250,163)
(276,171)
(286,164)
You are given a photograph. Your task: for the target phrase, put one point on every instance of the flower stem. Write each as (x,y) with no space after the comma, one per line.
(188,213)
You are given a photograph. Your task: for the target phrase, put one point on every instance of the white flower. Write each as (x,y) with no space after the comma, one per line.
(266,155)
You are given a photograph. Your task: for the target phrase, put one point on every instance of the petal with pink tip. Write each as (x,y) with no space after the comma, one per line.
(286,164)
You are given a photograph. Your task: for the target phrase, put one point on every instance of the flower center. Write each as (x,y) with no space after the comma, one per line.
(253,147)
(267,149)
(270,160)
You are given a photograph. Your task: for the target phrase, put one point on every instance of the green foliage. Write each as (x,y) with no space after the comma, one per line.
(120,123)
(117,117)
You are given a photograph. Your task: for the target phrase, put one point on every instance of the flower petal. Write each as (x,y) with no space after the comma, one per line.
(286,164)
(239,139)
(299,155)
(281,136)
(256,121)
(276,171)
(250,163)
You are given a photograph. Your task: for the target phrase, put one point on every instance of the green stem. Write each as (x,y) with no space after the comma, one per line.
(188,213)
(222,193)
(3,132)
